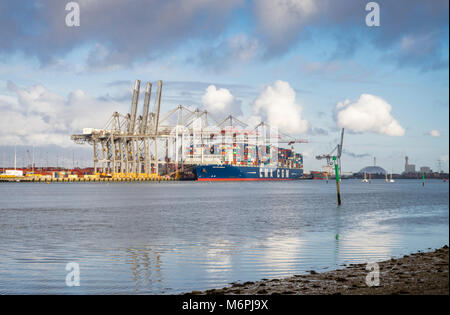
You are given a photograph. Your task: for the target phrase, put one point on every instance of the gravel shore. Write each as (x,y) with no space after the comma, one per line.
(418,273)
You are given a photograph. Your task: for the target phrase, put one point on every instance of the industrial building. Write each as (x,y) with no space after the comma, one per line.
(373,170)
(409,168)
(425,170)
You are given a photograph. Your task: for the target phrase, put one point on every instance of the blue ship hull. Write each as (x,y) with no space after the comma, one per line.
(245,173)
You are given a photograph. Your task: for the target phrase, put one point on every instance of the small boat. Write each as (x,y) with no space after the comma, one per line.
(365,178)
(391,180)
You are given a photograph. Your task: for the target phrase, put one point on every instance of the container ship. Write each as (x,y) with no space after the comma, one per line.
(319,175)
(288,166)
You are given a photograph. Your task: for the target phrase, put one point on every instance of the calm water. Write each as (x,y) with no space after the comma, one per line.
(175,237)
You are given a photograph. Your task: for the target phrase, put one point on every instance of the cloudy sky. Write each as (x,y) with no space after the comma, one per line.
(310,67)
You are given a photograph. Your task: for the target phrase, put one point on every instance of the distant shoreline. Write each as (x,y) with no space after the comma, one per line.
(24,179)
(416,274)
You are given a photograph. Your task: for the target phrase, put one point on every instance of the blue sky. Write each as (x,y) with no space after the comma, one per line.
(55,79)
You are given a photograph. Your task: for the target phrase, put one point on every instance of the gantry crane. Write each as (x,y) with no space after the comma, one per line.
(135,145)
(336,160)
(330,157)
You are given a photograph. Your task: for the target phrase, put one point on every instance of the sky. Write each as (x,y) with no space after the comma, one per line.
(309,67)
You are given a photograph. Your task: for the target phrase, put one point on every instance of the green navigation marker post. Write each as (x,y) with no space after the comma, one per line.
(423,178)
(336,169)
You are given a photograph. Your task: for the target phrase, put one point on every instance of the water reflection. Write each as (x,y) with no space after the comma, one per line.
(281,252)
(173,238)
(145,267)
(218,257)
(337,237)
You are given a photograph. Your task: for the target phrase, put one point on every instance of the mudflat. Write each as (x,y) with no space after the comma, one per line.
(422,273)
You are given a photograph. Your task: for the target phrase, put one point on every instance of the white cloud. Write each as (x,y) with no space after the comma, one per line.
(277,105)
(279,17)
(434,133)
(220,102)
(369,113)
(37,116)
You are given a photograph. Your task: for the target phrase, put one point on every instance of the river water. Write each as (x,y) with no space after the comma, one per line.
(175,237)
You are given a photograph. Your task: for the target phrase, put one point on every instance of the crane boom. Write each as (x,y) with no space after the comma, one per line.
(338,149)
(339,153)
(297,141)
